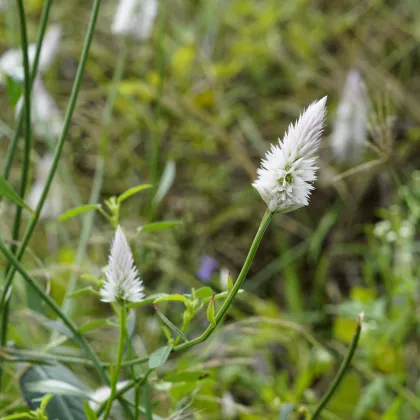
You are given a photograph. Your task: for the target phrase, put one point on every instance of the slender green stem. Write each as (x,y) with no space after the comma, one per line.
(137,383)
(342,371)
(17,356)
(87,224)
(117,369)
(13,145)
(50,302)
(24,180)
(70,109)
(241,278)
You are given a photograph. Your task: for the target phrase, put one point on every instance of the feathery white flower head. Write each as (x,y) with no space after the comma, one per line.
(122,278)
(350,125)
(135,18)
(288,170)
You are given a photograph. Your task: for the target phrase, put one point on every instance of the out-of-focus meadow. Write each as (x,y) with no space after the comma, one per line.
(196,107)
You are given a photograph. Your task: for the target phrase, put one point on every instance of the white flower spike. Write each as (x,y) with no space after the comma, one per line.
(135,18)
(122,278)
(350,125)
(288,170)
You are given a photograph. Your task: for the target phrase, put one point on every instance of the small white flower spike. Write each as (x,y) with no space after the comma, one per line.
(122,278)
(135,18)
(350,125)
(288,170)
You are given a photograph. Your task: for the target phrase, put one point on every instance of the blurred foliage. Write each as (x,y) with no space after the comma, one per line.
(235,74)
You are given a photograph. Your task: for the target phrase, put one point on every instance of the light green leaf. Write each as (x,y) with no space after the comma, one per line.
(175,297)
(132,191)
(159,356)
(150,227)
(169,324)
(92,325)
(210,312)
(6,190)
(204,292)
(90,414)
(166,181)
(75,211)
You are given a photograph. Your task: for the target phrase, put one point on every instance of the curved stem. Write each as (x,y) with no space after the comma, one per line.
(13,145)
(342,371)
(116,371)
(233,292)
(70,109)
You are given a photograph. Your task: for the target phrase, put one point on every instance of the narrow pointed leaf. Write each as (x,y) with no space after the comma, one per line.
(159,356)
(151,227)
(78,210)
(169,324)
(6,190)
(133,191)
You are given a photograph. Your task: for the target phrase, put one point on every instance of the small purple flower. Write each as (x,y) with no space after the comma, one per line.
(207,267)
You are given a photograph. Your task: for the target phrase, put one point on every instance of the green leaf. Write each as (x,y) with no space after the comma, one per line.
(132,191)
(75,211)
(166,181)
(147,301)
(92,325)
(204,292)
(159,356)
(90,414)
(151,227)
(6,190)
(175,297)
(210,312)
(189,376)
(14,90)
(169,324)
(66,404)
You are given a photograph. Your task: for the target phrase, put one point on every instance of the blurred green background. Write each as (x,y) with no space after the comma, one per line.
(197,107)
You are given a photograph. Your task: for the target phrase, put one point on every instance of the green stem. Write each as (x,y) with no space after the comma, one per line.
(87,224)
(342,371)
(117,369)
(137,383)
(241,278)
(17,356)
(70,109)
(24,180)
(13,145)
(50,302)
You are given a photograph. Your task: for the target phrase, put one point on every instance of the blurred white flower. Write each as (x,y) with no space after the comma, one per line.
(288,170)
(11,62)
(46,117)
(135,18)
(122,278)
(100,395)
(350,125)
(53,205)
(228,406)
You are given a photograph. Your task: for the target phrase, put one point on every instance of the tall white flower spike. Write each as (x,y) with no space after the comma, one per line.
(288,170)
(350,125)
(135,18)
(122,278)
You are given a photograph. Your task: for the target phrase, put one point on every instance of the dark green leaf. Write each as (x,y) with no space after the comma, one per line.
(65,405)
(169,324)
(14,90)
